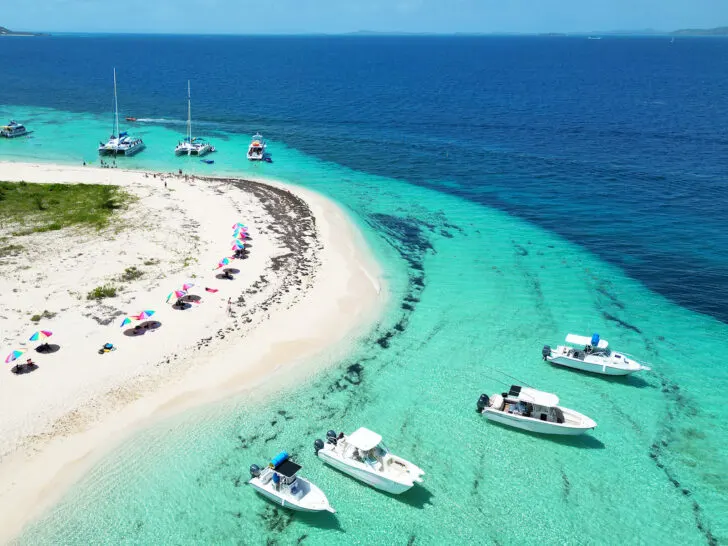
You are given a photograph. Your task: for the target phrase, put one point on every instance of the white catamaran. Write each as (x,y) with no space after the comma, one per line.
(120,143)
(192,145)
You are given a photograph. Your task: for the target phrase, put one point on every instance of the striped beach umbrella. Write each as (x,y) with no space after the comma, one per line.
(17,353)
(176,294)
(41,335)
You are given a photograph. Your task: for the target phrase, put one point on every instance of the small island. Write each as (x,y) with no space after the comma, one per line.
(7,32)
(718,31)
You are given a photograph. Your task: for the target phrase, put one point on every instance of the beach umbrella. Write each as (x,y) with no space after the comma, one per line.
(146,314)
(238,245)
(176,294)
(17,353)
(224,261)
(239,225)
(127,320)
(41,335)
(187,285)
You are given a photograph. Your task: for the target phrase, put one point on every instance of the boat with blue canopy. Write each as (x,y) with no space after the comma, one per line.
(280,483)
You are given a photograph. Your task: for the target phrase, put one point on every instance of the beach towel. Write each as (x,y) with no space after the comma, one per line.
(213,290)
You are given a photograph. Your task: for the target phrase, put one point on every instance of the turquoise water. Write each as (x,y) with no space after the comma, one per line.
(476,293)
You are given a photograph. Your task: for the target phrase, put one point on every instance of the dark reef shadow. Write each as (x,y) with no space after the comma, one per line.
(582,441)
(48,348)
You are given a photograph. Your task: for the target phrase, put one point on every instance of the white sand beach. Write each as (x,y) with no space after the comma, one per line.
(308,286)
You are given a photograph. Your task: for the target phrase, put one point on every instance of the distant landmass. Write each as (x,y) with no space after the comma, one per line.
(7,32)
(718,31)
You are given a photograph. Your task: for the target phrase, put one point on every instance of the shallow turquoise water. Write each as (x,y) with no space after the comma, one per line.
(476,295)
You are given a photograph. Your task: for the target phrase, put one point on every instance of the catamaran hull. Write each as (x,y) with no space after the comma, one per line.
(535,425)
(127,152)
(369,477)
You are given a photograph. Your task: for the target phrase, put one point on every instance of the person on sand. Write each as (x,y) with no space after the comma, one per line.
(30,363)
(165,183)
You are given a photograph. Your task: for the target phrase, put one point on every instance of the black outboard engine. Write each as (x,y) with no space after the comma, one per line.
(483,402)
(331,437)
(546,352)
(318,445)
(254,470)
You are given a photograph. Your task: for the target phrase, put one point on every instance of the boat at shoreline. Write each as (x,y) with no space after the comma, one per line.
(591,355)
(533,410)
(13,130)
(279,482)
(363,456)
(256,150)
(192,145)
(120,143)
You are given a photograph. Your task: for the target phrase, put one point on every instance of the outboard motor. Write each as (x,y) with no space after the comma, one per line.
(331,437)
(318,445)
(254,470)
(546,352)
(483,402)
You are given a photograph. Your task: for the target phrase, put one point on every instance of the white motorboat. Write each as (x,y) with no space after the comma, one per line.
(533,410)
(591,355)
(13,130)
(363,456)
(279,482)
(120,143)
(192,145)
(256,150)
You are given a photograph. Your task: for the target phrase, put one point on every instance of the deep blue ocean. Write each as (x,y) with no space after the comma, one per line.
(618,145)
(514,189)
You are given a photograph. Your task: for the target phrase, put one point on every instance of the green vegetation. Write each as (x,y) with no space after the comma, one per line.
(9,249)
(131,274)
(37,208)
(188,261)
(101,292)
(44,315)
(151,261)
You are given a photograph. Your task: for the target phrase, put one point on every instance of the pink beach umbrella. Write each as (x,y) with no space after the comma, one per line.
(223,263)
(17,353)
(187,285)
(176,294)
(239,225)
(41,335)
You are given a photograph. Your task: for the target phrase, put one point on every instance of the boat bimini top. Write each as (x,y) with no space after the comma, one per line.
(533,396)
(364,439)
(594,341)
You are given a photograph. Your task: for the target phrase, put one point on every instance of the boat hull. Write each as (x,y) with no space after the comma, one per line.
(294,504)
(592,367)
(122,152)
(369,477)
(14,135)
(535,425)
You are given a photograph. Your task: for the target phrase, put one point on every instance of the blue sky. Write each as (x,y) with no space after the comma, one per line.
(334,16)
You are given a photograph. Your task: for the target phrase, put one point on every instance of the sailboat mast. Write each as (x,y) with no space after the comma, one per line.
(189,113)
(116,108)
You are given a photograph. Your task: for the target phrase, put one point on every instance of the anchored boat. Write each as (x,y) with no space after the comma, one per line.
(591,355)
(280,483)
(256,150)
(363,456)
(120,143)
(192,145)
(533,410)
(13,130)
